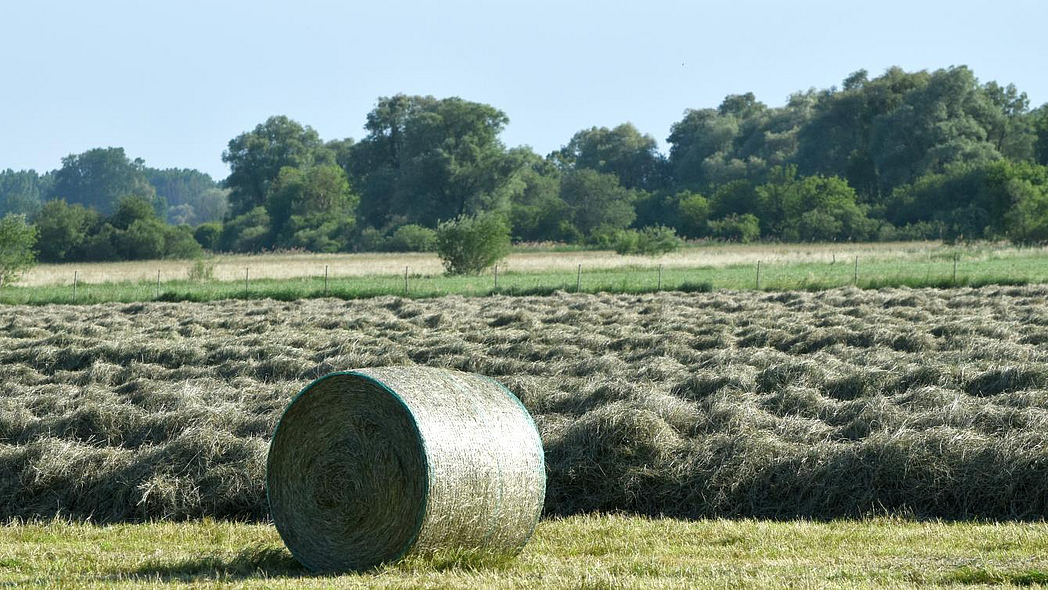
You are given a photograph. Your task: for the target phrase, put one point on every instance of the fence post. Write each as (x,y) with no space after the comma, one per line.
(496,277)
(158,283)
(247,279)
(578,280)
(74,284)
(758,275)
(955,257)
(659,286)
(405,280)
(855,275)
(325,280)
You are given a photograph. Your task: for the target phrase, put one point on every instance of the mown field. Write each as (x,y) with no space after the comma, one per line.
(592,552)
(290,277)
(840,403)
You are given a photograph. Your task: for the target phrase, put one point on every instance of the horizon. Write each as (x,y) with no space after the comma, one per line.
(160,81)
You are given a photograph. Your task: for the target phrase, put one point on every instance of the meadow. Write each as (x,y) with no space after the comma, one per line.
(535,271)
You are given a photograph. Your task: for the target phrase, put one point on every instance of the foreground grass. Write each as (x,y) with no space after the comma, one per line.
(580,552)
(882,268)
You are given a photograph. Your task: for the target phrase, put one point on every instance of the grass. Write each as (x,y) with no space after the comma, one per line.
(832,404)
(579,552)
(291,277)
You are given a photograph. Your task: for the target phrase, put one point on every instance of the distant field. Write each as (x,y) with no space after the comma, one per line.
(523,260)
(579,552)
(698,268)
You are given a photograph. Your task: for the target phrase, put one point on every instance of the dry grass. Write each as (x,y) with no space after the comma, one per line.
(287,266)
(842,403)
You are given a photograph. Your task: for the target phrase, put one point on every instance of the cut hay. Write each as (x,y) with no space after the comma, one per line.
(370,466)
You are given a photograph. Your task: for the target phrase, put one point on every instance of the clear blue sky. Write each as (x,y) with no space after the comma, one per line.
(173,82)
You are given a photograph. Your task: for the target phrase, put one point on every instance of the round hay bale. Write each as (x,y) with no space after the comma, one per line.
(372,465)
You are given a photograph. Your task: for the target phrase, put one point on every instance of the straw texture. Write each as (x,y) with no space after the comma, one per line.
(372,465)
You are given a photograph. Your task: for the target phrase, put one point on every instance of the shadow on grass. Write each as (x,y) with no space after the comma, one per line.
(264,562)
(255,562)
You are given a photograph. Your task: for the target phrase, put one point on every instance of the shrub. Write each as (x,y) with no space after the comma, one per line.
(649,241)
(743,228)
(470,244)
(412,238)
(203,269)
(16,247)
(179,243)
(208,234)
(62,229)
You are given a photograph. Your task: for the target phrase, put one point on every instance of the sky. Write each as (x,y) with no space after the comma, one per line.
(173,82)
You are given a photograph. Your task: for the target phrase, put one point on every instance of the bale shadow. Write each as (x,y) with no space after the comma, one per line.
(261,561)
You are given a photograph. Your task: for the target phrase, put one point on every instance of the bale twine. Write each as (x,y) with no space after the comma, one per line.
(373,465)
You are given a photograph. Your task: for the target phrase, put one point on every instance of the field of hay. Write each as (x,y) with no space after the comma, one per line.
(841,403)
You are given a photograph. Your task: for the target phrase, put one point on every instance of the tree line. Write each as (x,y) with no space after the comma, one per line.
(904,155)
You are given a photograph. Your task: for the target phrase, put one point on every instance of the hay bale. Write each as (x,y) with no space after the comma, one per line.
(373,465)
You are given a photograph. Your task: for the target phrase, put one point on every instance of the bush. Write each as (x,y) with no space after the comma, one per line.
(62,230)
(179,243)
(743,228)
(203,269)
(16,247)
(208,234)
(412,238)
(246,233)
(470,244)
(649,241)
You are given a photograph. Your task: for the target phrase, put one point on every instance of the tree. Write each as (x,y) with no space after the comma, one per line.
(946,121)
(426,160)
(303,199)
(256,157)
(596,200)
(470,244)
(16,247)
(192,197)
(98,178)
(22,192)
(812,208)
(649,241)
(737,228)
(63,228)
(630,156)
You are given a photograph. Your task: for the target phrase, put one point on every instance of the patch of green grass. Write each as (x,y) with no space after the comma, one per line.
(811,276)
(579,552)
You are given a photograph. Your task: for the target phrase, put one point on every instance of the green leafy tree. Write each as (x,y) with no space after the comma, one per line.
(470,244)
(192,197)
(16,247)
(596,200)
(256,158)
(649,241)
(22,192)
(208,235)
(944,122)
(303,200)
(1040,126)
(249,232)
(693,213)
(743,228)
(100,177)
(623,151)
(425,160)
(810,208)
(412,238)
(62,229)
